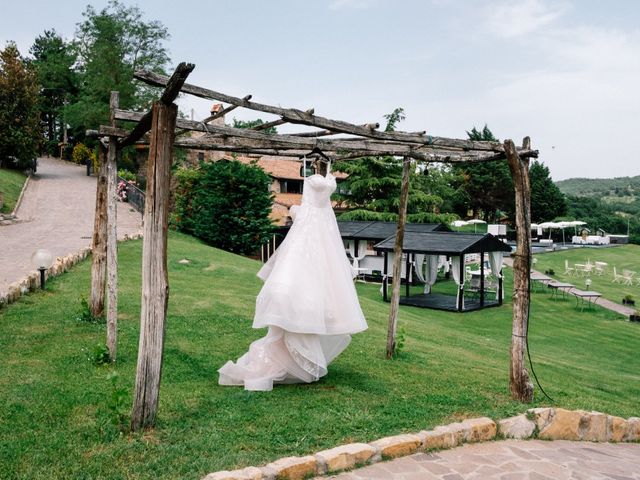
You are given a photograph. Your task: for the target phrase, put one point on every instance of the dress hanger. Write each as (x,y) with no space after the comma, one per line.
(321,157)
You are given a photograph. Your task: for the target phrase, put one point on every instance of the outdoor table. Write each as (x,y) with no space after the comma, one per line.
(540,279)
(582,268)
(559,287)
(587,298)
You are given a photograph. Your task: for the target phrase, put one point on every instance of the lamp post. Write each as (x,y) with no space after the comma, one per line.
(587,282)
(42,260)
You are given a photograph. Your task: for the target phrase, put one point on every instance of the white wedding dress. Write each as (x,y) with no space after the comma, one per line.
(308,301)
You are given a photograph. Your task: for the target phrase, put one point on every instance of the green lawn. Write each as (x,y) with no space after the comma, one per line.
(624,257)
(54,401)
(11,182)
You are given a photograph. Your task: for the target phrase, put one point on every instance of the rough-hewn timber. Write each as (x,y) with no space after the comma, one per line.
(397,260)
(155,283)
(519,382)
(99,242)
(112,237)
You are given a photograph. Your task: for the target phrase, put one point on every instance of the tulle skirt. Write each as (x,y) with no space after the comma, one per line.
(308,303)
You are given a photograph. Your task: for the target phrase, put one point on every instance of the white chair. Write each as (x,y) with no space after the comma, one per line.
(617,278)
(567,269)
(627,277)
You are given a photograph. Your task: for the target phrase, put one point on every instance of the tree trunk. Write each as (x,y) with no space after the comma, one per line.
(112,239)
(99,246)
(155,285)
(397,260)
(519,382)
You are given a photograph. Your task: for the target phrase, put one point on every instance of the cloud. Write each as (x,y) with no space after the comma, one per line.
(512,19)
(350,4)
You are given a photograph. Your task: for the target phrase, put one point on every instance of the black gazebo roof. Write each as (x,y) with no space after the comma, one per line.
(374,230)
(445,243)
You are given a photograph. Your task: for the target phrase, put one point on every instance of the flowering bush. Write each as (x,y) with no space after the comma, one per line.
(121,189)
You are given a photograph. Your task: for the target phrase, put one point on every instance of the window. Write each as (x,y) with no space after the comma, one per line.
(290,186)
(201,156)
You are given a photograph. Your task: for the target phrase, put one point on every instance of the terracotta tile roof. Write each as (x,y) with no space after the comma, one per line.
(288,199)
(278,167)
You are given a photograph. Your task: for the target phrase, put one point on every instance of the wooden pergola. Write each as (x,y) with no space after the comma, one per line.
(161,129)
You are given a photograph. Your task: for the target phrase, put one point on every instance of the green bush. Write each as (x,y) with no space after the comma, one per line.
(226,204)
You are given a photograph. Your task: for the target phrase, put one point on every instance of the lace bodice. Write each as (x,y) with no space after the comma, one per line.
(318,189)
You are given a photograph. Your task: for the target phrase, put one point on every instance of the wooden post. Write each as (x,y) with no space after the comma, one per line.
(155,284)
(99,244)
(481,279)
(397,259)
(519,382)
(462,272)
(385,277)
(407,274)
(112,236)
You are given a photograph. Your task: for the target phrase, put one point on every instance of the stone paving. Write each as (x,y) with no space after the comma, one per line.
(512,460)
(56,213)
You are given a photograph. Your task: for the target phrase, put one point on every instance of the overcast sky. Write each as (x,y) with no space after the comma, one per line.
(566,73)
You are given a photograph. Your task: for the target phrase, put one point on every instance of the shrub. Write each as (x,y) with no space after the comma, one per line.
(81,154)
(226,204)
(126,175)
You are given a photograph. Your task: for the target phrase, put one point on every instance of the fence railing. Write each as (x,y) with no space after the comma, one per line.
(135,196)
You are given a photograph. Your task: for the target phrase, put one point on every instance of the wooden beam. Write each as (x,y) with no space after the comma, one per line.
(171,92)
(397,260)
(155,282)
(223,135)
(112,236)
(293,115)
(519,382)
(275,123)
(226,110)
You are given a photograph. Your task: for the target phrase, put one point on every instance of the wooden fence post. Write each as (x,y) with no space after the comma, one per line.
(397,260)
(99,244)
(155,284)
(519,382)
(112,237)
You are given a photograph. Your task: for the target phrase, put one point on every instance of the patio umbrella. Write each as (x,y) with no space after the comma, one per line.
(475,223)
(459,223)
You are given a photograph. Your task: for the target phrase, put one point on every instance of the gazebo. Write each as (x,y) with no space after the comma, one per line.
(359,235)
(427,248)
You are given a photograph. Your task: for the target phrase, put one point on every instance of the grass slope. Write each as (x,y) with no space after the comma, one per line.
(626,257)
(52,424)
(11,183)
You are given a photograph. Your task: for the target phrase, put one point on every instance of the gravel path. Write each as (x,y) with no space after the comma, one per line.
(512,460)
(56,213)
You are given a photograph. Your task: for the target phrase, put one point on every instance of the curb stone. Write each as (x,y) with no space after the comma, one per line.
(543,423)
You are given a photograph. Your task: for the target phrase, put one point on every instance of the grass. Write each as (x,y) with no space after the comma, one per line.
(626,257)
(55,417)
(11,182)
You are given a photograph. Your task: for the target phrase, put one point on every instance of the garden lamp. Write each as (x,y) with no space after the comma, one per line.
(42,260)
(587,282)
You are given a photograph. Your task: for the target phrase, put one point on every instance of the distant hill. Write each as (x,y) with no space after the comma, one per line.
(613,190)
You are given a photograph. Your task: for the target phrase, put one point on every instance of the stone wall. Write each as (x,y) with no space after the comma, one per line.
(544,423)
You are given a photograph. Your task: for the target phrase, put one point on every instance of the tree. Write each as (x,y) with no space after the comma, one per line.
(111,45)
(19,118)
(253,123)
(226,204)
(53,59)
(488,186)
(372,189)
(547,201)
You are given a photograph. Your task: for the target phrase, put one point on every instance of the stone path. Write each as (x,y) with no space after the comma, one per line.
(512,460)
(56,213)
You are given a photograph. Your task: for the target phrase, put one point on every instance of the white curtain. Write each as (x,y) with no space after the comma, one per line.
(362,252)
(495,261)
(431,272)
(455,269)
(443,262)
(418,260)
